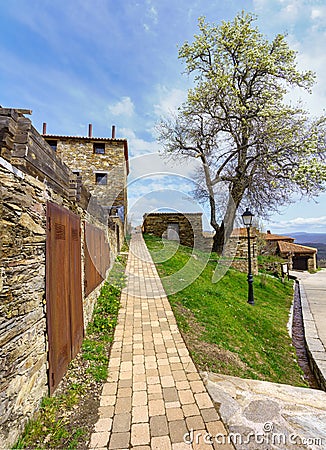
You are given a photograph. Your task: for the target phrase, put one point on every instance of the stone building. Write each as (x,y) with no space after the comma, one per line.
(57,245)
(300,257)
(102,164)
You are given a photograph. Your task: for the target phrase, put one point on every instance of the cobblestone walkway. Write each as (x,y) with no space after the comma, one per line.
(154,394)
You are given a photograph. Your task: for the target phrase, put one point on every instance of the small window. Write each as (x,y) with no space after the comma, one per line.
(99,149)
(76,172)
(53,145)
(101,178)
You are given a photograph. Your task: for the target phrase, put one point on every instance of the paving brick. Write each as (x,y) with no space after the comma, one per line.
(139,386)
(125,383)
(109,388)
(170,394)
(121,423)
(140,414)
(119,440)
(177,430)
(186,397)
(195,422)
(153,380)
(154,389)
(140,434)
(107,400)
(190,410)
(179,375)
(181,446)
(174,414)
(158,426)
(103,424)
(216,427)
(197,387)
(203,400)
(165,370)
(99,439)
(161,443)
(139,398)
(106,411)
(167,381)
(123,405)
(156,408)
(180,385)
(209,414)
(124,392)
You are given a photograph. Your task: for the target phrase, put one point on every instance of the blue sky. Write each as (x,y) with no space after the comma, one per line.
(107,62)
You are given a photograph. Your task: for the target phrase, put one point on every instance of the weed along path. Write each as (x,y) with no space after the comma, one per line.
(154,397)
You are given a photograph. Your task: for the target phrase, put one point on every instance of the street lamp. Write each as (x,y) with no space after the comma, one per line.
(247,221)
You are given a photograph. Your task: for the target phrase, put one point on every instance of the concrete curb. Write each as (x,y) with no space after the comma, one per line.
(314,346)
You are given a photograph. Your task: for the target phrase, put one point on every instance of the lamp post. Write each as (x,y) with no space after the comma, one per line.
(247,221)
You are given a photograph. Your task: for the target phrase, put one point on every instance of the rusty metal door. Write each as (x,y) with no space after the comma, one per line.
(63,290)
(97,257)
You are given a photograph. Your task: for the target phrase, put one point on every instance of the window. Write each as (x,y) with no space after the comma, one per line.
(101,178)
(53,145)
(76,172)
(99,148)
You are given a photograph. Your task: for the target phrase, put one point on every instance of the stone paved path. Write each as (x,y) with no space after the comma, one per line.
(154,394)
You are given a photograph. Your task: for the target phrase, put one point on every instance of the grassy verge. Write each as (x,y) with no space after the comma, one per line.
(223,333)
(65,420)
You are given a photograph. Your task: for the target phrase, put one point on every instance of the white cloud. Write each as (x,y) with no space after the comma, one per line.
(314,224)
(317,13)
(124,107)
(169,100)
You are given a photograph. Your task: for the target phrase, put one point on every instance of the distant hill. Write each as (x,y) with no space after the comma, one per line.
(312,238)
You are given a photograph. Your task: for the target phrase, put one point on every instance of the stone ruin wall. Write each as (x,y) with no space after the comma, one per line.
(23,332)
(190,226)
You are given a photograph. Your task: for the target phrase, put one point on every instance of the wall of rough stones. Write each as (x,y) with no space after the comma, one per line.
(23,376)
(191,234)
(30,175)
(190,226)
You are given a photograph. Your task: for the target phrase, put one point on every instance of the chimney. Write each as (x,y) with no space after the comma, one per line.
(44,128)
(268,231)
(90,130)
(113,131)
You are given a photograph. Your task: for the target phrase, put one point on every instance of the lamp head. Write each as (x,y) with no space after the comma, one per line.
(247,217)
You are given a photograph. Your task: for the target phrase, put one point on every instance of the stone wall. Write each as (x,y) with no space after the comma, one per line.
(191,234)
(31,175)
(23,377)
(190,226)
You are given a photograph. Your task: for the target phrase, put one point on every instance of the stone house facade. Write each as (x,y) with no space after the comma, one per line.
(33,181)
(101,163)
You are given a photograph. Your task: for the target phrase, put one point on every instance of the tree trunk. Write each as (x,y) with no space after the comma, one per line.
(224,231)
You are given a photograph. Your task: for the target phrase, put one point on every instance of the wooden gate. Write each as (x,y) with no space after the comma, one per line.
(63,290)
